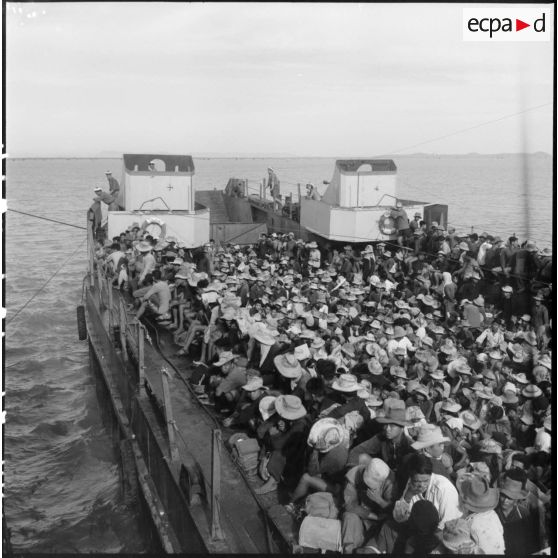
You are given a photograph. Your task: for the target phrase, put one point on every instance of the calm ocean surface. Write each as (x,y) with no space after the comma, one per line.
(62,489)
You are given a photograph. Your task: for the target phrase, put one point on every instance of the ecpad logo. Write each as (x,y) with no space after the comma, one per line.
(507,24)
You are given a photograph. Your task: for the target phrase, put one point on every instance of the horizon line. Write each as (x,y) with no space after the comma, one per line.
(216,155)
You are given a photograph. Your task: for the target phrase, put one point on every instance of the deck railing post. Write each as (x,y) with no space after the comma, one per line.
(123,326)
(216,531)
(100,284)
(91,249)
(175,456)
(110,304)
(141,357)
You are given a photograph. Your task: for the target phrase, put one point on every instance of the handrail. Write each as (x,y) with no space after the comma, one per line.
(151,200)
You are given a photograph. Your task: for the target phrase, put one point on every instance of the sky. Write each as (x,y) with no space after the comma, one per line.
(93,79)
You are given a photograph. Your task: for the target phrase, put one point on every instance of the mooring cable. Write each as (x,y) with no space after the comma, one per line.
(44,285)
(47,219)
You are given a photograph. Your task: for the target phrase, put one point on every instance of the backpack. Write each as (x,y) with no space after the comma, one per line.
(245,452)
(321,504)
(320,533)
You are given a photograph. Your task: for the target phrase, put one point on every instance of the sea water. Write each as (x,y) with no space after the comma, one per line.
(62,491)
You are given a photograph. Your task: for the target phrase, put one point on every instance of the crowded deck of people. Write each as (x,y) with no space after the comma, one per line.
(397,396)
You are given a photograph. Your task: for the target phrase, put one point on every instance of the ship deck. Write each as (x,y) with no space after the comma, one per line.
(264,525)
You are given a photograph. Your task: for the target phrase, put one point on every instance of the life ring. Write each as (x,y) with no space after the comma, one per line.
(387,224)
(154,222)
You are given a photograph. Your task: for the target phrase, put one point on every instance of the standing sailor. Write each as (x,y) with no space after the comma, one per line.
(274,188)
(114,190)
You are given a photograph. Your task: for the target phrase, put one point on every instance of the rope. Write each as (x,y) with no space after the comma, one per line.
(47,219)
(465,129)
(44,285)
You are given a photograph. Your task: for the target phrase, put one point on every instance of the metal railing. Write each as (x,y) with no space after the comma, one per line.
(130,339)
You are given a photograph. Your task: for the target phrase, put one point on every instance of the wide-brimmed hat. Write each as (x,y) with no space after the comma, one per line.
(530,337)
(496,354)
(375,367)
(429,434)
(289,407)
(288,365)
(326,434)
(421,388)
(520,378)
(507,289)
(448,347)
(479,301)
(509,398)
(428,300)
(428,341)
(462,368)
(264,337)
(375,472)
(302,352)
(317,343)
(253,384)
(144,247)
(519,356)
(437,375)
(346,383)
(395,415)
(267,406)
(451,406)
(224,357)
(512,489)
(476,494)
(545,361)
(456,536)
(348,349)
(531,391)
(489,445)
(470,420)
(414,413)
(398,332)
(398,372)
(373,401)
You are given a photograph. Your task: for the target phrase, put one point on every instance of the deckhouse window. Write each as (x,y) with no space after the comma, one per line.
(158,165)
(366,167)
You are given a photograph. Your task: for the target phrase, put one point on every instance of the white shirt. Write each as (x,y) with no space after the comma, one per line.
(487,531)
(492,339)
(440,492)
(395,343)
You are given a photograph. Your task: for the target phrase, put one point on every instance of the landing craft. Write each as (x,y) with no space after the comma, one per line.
(357,207)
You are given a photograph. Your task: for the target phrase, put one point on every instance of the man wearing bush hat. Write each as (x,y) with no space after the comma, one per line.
(391,445)
(369,490)
(430,442)
(400,340)
(479,499)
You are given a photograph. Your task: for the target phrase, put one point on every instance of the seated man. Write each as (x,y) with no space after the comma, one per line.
(227,384)
(157,299)
(391,445)
(368,494)
(326,461)
(423,484)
